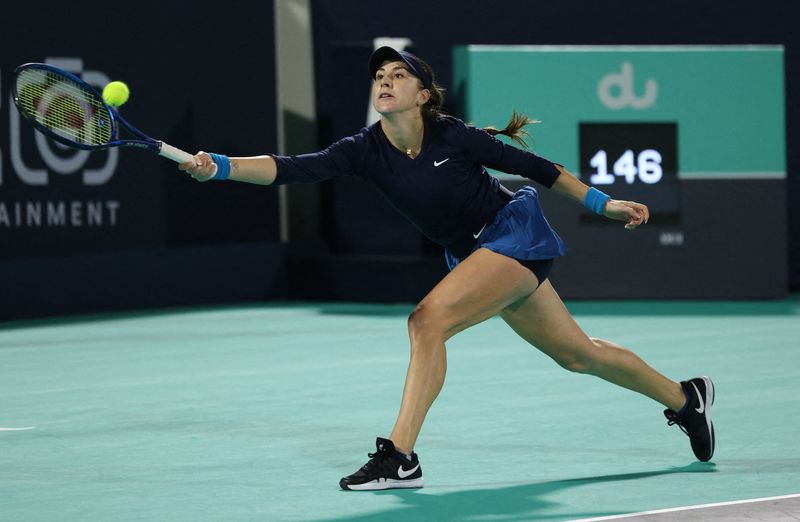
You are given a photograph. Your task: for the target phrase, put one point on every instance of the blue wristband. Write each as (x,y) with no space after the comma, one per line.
(595,200)
(223,165)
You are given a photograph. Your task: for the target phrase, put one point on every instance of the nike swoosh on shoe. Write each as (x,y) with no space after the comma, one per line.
(702,407)
(403,473)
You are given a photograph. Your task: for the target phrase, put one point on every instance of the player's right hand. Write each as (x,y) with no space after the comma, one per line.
(202,169)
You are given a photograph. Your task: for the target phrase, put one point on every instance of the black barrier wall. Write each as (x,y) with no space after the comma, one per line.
(345,34)
(119,227)
(191,87)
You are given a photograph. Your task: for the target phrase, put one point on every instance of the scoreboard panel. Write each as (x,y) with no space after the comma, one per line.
(634,161)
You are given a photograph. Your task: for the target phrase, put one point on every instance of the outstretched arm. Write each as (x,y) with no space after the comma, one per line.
(340,159)
(260,170)
(633,213)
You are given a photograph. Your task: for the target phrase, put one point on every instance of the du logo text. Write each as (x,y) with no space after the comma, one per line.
(616,90)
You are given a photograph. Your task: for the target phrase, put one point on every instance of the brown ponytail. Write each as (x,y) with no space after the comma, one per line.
(515,129)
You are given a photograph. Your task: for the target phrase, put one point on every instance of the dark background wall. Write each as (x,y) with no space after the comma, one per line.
(201,77)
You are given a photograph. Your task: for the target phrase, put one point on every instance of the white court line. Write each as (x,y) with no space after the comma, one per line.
(687,508)
(19,429)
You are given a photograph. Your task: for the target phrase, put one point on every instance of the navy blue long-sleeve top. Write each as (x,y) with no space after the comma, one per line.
(445,191)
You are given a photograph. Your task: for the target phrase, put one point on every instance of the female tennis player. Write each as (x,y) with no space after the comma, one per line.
(498,245)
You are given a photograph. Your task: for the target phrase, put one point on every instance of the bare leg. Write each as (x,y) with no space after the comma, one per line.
(542,319)
(480,287)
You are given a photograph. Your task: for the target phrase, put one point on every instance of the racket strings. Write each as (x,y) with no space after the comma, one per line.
(64,107)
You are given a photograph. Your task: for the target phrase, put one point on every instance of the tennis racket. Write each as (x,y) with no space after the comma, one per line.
(71,112)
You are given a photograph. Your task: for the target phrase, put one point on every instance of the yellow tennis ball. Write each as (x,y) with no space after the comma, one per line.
(116,94)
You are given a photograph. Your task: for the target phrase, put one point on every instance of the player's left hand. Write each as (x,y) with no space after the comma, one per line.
(633,213)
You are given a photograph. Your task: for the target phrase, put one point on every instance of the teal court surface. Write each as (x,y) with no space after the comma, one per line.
(254,412)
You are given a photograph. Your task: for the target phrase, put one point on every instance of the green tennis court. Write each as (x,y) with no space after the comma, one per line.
(254,413)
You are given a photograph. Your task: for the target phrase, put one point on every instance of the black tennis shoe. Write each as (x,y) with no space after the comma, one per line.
(695,419)
(386,469)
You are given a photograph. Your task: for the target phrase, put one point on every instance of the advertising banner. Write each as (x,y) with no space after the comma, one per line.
(727,102)
(197,93)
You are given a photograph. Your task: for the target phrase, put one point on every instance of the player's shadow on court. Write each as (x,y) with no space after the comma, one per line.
(513,503)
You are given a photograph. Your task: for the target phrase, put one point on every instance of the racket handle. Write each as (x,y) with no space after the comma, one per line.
(176,155)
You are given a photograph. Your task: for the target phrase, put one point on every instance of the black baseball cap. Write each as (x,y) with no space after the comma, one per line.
(385,53)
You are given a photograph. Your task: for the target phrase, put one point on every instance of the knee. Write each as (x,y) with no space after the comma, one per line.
(574,364)
(423,323)
(584,360)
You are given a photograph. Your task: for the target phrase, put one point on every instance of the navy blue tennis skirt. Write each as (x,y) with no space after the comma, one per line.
(520,231)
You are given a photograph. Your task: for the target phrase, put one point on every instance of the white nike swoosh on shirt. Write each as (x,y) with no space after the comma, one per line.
(702,407)
(403,473)
(437,163)
(479,232)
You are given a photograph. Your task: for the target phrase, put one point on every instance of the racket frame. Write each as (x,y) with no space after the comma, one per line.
(144,141)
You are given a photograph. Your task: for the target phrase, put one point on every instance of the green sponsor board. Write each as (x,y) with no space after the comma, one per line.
(727,102)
